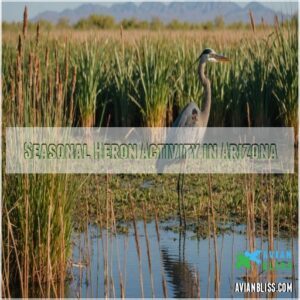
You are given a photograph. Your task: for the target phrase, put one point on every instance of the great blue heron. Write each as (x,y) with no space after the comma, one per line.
(192,116)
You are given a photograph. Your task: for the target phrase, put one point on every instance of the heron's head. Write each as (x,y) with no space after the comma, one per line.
(211,56)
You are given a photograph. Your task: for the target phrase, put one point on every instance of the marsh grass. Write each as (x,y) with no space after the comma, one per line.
(152,90)
(90,82)
(144,79)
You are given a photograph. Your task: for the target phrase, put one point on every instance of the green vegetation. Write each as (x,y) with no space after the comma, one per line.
(95,21)
(108,22)
(159,195)
(147,82)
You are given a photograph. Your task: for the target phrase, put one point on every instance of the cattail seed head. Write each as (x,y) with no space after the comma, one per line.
(71,112)
(25,21)
(47,58)
(37,34)
(30,70)
(56,68)
(12,87)
(50,94)
(252,20)
(19,82)
(66,64)
(20,46)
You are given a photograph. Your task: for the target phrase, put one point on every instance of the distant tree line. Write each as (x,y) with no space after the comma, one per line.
(108,22)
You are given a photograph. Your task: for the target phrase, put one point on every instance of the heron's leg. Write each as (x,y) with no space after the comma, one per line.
(182,199)
(179,200)
(180,233)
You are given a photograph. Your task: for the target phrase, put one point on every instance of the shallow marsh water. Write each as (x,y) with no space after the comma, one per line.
(101,261)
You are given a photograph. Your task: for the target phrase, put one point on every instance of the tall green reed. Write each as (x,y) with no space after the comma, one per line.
(90,82)
(151,82)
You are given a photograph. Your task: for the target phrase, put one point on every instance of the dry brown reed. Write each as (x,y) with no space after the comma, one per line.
(271,275)
(148,250)
(71,113)
(250,227)
(114,233)
(137,244)
(213,220)
(164,283)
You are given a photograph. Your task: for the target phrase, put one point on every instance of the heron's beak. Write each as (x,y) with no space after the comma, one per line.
(220,58)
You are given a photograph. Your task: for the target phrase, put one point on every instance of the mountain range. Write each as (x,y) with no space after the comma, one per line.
(193,12)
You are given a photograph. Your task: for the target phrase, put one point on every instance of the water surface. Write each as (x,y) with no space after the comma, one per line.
(181,265)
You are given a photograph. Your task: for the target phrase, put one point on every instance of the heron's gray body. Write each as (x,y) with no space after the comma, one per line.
(192,117)
(186,119)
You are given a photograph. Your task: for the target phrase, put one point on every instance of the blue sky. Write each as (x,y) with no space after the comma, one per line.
(13,11)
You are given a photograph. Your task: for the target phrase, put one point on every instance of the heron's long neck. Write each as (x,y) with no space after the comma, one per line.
(207,94)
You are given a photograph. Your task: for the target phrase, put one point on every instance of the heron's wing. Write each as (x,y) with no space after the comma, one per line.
(185,115)
(175,136)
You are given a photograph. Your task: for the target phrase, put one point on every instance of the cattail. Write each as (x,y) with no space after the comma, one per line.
(35,87)
(72,95)
(56,68)
(248,114)
(47,57)
(37,34)
(49,98)
(39,97)
(66,65)
(252,20)
(59,102)
(30,70)
(12,92)
(12,88)
(25,21)
(48,113)
(19,88)
(20,46)
(37,73)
